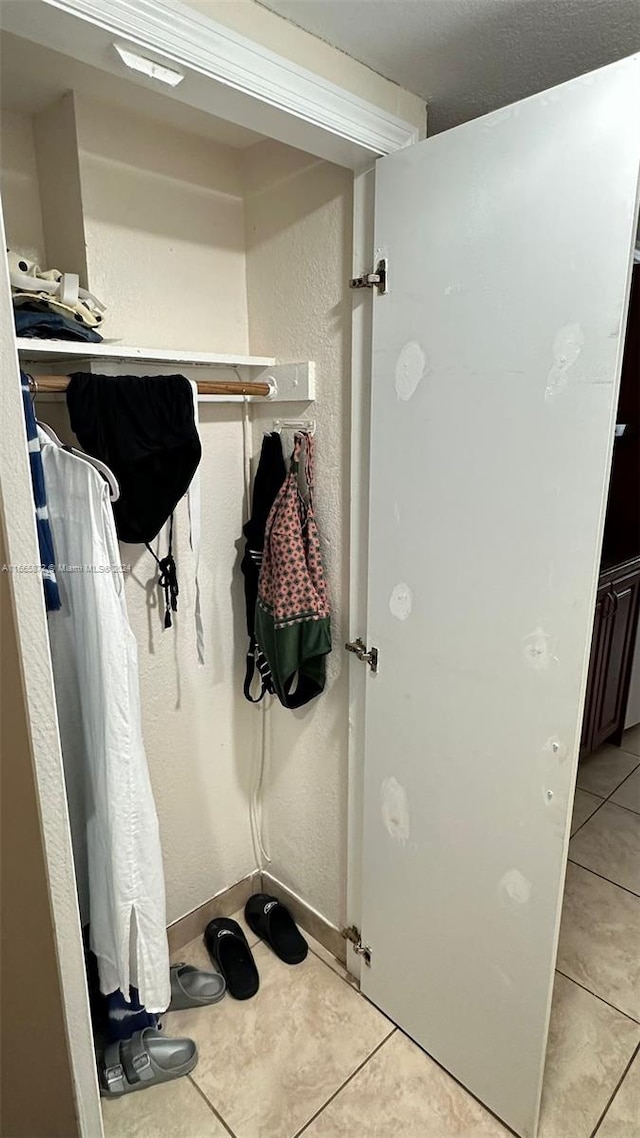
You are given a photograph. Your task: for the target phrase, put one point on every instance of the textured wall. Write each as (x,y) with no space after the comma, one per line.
(61,197)
(298,221)
(198,730)
(164,230)
(293,213)
(19,185)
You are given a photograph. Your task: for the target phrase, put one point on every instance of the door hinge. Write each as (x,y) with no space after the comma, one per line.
(352,934)
(379,278)
(359,649)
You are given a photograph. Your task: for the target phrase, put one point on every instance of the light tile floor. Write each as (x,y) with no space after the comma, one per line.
(310,1055)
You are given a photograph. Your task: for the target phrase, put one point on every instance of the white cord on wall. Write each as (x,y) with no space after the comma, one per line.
(260,851)
(255,802)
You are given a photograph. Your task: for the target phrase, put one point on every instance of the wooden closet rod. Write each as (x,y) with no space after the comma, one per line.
(53,383)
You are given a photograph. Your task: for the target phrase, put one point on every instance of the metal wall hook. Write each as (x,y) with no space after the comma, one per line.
(306,425)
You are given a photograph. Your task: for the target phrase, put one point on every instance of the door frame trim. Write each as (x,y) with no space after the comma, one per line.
(257,87)
(361,347)
(34,660)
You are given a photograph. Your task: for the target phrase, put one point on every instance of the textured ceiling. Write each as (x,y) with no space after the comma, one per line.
(468,57)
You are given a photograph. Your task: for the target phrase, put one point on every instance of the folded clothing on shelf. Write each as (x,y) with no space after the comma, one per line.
(37,320)
(53,291)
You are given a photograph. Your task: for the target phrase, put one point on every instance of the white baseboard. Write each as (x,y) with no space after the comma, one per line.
(228,901)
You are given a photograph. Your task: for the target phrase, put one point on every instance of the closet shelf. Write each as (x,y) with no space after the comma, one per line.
(257,377)
(61,350)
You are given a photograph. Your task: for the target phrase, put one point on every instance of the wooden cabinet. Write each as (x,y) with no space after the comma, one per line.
(595,670)
(618,597)
(614,628)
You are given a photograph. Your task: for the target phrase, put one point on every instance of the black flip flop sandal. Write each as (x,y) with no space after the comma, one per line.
(229,949)
(271,921)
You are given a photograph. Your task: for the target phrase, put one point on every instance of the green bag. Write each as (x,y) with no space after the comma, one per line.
(292,614)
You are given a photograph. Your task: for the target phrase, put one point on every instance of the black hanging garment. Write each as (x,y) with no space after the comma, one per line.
(270,476)
(143,428)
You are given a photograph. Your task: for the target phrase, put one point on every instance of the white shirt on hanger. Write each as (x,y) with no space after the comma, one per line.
(95,663)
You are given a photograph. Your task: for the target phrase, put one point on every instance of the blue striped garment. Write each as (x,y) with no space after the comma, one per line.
(45,541)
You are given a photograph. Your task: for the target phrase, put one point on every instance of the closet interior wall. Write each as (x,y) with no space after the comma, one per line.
(20,186)
(298,213)
(230,248)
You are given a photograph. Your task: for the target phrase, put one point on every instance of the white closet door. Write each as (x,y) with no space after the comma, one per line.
(496,359)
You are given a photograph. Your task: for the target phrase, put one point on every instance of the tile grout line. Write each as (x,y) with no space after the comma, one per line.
(583,824)
(345,1083)
(620,805)
(621,751)
(597,997)
(587,869)
(608,801)
(351,983)
(398,1030)
(349,980)
(626,776)
(604,797)
(636,1051)
(211,1107)
(616,1089)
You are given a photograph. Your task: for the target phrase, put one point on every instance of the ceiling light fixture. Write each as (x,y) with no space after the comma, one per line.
(145,66)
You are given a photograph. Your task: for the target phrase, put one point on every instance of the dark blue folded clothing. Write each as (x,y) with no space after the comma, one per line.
(41,324)
(124,1017)
(113,1017)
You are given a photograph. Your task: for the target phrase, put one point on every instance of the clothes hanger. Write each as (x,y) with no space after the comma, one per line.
(307,426)
(50,433)
(108,475)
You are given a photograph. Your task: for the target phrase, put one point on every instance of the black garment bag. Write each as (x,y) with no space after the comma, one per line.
(143,428)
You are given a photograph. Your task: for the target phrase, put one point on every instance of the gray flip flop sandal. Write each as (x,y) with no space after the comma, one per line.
(145,1060)
(192,988)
